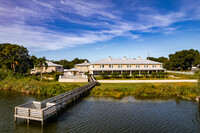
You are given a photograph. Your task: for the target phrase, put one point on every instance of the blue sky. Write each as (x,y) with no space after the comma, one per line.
(95,29)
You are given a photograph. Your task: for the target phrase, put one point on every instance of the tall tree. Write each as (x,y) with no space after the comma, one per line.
(14,57)
(70,64)
(41,63)
(183,60)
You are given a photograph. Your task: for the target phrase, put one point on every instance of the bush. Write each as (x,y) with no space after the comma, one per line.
(144,74)
(153,74)
(86,73)
(160,74)
(115,75)
(125,75)
(6,73)
(134,74)
(56,77)
(104,75)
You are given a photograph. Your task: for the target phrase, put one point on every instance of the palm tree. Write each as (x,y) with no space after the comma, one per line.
(14,64)
(41,62)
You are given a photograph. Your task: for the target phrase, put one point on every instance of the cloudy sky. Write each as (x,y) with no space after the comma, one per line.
(94,29)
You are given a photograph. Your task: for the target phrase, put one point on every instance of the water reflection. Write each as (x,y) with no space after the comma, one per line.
(108,115)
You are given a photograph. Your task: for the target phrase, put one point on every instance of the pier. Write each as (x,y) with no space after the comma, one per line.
(41,111)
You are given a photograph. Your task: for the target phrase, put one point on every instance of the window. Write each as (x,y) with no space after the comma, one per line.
(119,66)
(92,66)
(154,66)
(128,66)
(161,65)
(110,66)
(145,66)
(101,66)
(137,66)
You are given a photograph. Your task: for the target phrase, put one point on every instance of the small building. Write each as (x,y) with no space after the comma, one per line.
(73,75)
(52,67)
(125,65)
(83,67)
(71,72)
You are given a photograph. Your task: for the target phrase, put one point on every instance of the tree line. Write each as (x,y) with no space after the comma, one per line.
(17,59)
(181,60)
(70,64)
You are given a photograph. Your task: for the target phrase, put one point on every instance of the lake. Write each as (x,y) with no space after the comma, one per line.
(106,115)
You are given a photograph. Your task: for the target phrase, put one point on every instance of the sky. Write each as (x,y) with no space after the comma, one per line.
(95,29)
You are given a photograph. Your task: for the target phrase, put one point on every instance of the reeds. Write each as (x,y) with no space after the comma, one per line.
(33,86)
(182,90)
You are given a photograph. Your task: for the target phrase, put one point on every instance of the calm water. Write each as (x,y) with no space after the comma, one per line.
(107,115)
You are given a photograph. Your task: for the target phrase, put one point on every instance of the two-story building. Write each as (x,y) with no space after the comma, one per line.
(52,67)
(83,67)
(125,65)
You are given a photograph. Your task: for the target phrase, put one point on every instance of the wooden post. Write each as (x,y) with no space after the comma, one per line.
(28,117)
(15,118)
(42,122)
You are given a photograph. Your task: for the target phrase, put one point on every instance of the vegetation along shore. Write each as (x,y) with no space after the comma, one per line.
(15,65)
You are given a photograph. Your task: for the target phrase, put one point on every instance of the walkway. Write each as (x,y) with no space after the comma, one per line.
(148,81)
(41,111)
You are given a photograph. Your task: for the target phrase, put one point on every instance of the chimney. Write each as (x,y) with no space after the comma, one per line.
(125,58)
(109,58)
(139,58)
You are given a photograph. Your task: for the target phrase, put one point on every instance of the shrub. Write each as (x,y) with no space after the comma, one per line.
(144,74)
(104,75)
(115,75)
(86,73)
(56,77)
(134,74)
(153,74)
(125,75)
(160,74)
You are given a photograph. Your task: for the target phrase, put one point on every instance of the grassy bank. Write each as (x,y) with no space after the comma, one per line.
(30,85)
(182,90)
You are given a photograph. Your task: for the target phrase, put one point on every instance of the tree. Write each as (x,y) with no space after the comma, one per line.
(144,73)
(14,57)
(183,60)
(70,64)
(115,75)
(134,74)
(41,62)
(153,74)
(104,75)
(125,75)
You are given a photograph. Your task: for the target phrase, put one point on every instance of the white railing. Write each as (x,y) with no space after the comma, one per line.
(179,72)
(46,108)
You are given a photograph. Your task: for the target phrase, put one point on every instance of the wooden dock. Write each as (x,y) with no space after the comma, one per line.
(41,111)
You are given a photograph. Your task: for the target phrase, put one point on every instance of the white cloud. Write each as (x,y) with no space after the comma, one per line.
(104,20)
(39,39)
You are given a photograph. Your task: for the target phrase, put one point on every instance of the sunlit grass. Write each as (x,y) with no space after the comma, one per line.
(184,90)
(32,86)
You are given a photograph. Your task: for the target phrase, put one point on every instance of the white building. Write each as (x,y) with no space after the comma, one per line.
(125,65)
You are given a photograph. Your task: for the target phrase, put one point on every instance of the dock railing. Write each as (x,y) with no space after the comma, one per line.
(40,111)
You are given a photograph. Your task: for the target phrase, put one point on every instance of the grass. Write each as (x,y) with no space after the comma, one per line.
(168,77)
(183,76)
(32,86)
(182,90)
